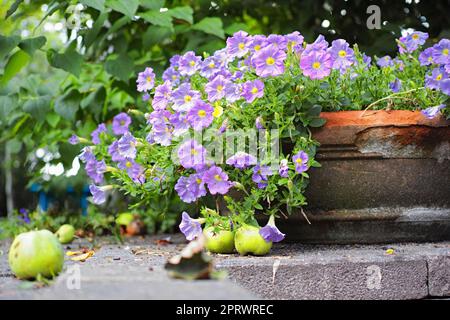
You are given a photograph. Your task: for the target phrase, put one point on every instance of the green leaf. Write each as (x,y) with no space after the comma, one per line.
(69,61)
(235,27)
(13,8)
(67,105)
(317,122)
(182,13)
(37,107)
(120,67)
(91,35)
(155,35)
(210,25)
(94,101)
(152,4)
(7,44)
(96,4)
(128,8)
(14,146)
(163,19)
(52,119)
(315,110)
(15,63)
(30,45)
(7,105)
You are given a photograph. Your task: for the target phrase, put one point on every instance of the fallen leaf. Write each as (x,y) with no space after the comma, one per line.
(83,257)
(73,253)
(390,251)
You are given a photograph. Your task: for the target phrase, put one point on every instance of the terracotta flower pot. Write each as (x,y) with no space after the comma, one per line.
(385,177)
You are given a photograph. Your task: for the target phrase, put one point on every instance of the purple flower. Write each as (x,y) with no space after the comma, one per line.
(145,97)
(301,161)
(190,188)
(161,133)
(341,54)
(175,61)
(366,59)
(399,64)
(269,61)
(252,90)
(74,139)
(162,96)
(259,123)
(434,80)
(426,57)
(201,115)
(411,42)
(210,67)
(385,61)
(320,44)
(191,154)
(86,155)
(25,215)
(270,232)
(295,41)
(98,194)
(113,151)
(316,64)
(216,88)
(190,227)
(280,42)
(432,112)
(172,75)
(260,175)
(127,146)
(441,53)
(445,86)
(184,98)
(95,170)
(233,92)
(217,180)
(189,63)
(95,135)
(257,43)
(238,44)
(283,171)
(396,85)
(241,160)
(133,169)
(121,123)
(145,80)
(180,123)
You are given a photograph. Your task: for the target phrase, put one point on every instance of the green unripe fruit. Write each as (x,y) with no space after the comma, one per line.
(65,233)
(36,253)
(248,241)
(221,241)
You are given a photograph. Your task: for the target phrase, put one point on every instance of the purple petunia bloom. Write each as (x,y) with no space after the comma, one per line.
(316,64)
(175,61)
(441,52)
(190,227)
(341,54)
(161,133)
(172,75)
(86,154)
(238,44)
(434,80)
(283,171)
(385,61)
(113,151)
(25,215)
(95,170)
(233,92)
(180,123)
(280,42)
(396,85)
(210,67)
(432,112)
(269,61)
(320,44)
(295,41)
(217,180)
(270,232)
(426,57)
(145,97)
(98,194)
(120,123)
(184,98)
(190,188)
(127,146)
(257,43)
(301,161)
(399,64)
(445,86)
(74,139)
(201,115)
(412,42)
(241,160)
(162,96)
(145,80)
(189,63)
(95,135)
(260,175)
(134,170)
(216,88)
(191,154)
(259,123)
(252,90)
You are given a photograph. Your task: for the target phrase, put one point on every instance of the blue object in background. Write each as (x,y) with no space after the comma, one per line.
(45,199)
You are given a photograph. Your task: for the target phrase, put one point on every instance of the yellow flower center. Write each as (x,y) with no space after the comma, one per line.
(439,77)
(219,88)
(174,77)
(128,164)
(257,47)
(254,90)
(194,152)
(192,63)
(149,79)
(122,123)
(299,161)
(241,46)
(187,98)
(415,36)
(217,177)
(342,53)
(201,113)
(211,65)
(198,180)
(316,65)
(445,52)
(270,61)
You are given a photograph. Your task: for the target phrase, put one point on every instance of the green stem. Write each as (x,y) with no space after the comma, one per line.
(394,95)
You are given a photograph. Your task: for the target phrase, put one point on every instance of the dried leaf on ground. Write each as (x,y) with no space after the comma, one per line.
(83,257)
